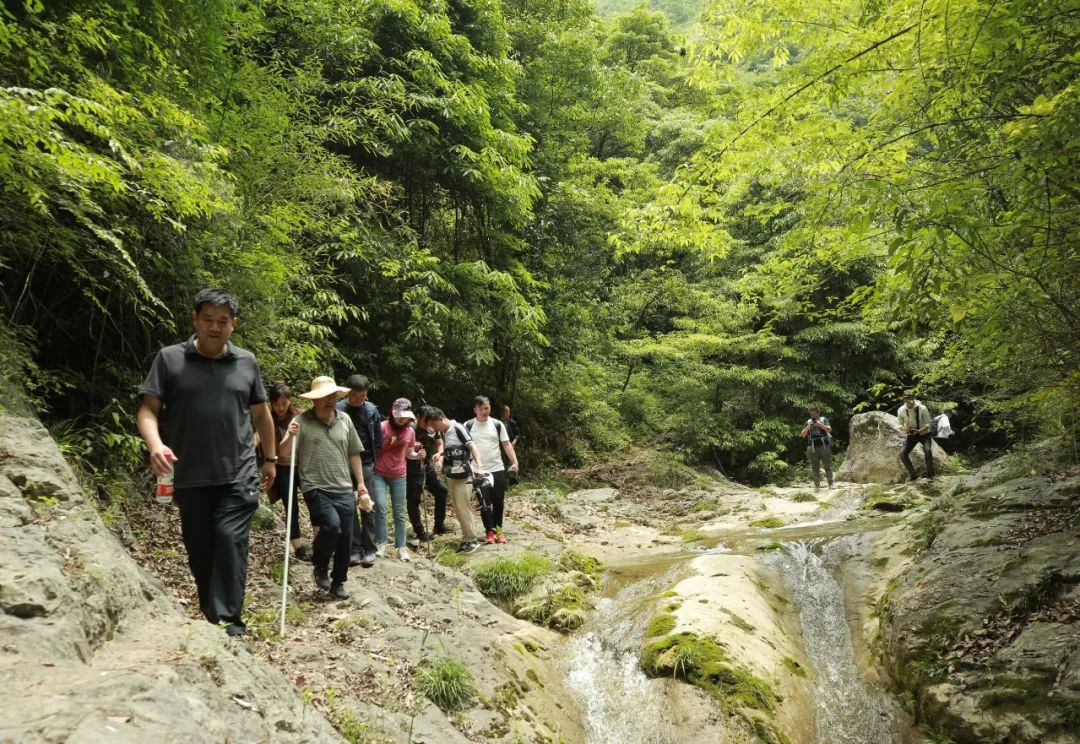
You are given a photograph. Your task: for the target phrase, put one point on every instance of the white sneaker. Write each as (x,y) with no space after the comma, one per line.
(380,550)
(403,554)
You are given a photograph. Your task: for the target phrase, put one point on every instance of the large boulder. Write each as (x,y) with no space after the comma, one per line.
(873,453)
(93,647)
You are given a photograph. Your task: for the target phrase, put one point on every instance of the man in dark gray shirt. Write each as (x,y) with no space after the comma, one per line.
(199,402)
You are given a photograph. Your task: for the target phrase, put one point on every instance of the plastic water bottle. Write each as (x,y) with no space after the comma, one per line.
(164,491)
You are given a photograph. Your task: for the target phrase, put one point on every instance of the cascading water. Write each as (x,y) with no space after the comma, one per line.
(848,711)
(621,704)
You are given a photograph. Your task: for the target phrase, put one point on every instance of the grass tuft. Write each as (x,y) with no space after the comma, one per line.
(445,682)
(508,578)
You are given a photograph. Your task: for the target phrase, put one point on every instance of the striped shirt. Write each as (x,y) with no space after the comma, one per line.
(324,451)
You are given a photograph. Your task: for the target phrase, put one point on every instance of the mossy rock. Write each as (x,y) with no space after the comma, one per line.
(263,519)
(660,625)
(704,663)
(563,607)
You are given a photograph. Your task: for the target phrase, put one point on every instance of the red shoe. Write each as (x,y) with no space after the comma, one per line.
(490,537)
(500,537)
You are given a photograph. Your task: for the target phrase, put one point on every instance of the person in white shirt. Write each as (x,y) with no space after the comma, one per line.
(915,423)
(492,440)
(944,432)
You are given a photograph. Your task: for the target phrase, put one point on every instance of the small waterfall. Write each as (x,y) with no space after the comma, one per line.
(848,711)
(621,704)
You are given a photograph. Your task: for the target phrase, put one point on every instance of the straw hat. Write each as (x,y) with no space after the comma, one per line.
(322,387)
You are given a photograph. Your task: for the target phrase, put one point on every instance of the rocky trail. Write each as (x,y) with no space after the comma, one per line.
(637,601)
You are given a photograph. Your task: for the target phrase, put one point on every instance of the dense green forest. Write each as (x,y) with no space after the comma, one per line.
(637,224)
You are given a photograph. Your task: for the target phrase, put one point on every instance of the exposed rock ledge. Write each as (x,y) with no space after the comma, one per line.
(93,649)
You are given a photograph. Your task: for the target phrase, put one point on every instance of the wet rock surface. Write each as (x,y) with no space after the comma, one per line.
(983,627)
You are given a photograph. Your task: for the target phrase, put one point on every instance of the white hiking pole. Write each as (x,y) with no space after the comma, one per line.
(288,531)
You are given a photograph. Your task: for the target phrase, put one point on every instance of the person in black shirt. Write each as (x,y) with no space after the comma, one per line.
(366,418)
(421,473)
(199,402)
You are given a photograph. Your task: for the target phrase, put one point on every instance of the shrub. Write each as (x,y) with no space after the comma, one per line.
(572,560)
(769,522)
(508,578)
(445,682)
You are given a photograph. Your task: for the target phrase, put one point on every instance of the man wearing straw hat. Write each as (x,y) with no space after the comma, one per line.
(328,459)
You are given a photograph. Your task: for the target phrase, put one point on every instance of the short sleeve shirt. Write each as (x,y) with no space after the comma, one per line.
(206,412)
(488,435)
(324,450)
(390,460)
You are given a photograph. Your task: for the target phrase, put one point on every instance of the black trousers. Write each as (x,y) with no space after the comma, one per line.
(493,519)
(216,524)
(363,531)
(415,481)
(280,492)
(333,513)
(927,444)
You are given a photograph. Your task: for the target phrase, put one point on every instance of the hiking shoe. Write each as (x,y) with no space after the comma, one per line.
(337,591)
(234,630)
(380,550)
(368,559)
(425,537)
(322,579)
(468,546)
(304,553)
(356,559)
(444,530)
(490,538)
(500,538)
(403,554)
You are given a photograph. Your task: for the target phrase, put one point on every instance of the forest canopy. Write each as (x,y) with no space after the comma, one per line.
(678,225)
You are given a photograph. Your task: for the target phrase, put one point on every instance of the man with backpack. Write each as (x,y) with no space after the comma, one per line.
(366,420)
(915,422)
(460,462)
(818,435)
(493,441)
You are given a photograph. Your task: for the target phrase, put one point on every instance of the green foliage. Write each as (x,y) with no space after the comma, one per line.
(445,682)
(573,560)
(509,578)
(768,522)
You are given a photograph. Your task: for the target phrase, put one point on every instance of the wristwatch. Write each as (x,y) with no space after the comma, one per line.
(269,458)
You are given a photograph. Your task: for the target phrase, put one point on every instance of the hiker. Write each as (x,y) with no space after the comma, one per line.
(201,401)
(420,472)
(493,441)
(513,431)
(329,462)
(818,435)
(915,423)
(283,412)
(460,462)
(942,430)
(366,418)
(398,438)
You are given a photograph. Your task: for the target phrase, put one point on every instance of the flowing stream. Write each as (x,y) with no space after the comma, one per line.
(848,710)
(622,705)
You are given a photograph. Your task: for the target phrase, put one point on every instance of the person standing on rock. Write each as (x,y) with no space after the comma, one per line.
(493,441)
(421,474)
(328,459)
(915,420)
(398,440)
(202,401)
(818,435)
(284,412)
(458,450)
(366,419)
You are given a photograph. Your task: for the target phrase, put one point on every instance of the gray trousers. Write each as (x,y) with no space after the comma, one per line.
(363,531)
(820,455)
